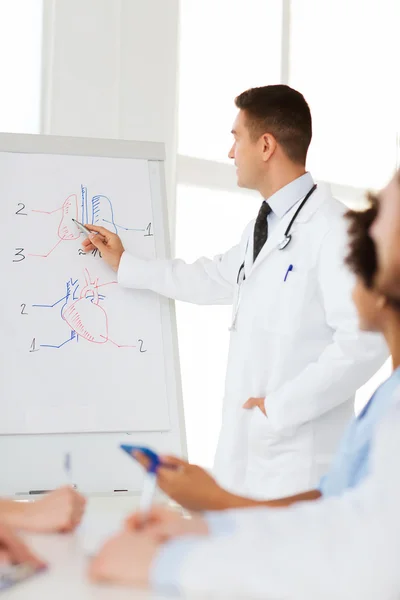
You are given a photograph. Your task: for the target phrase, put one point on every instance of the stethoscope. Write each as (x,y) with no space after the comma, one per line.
(284,243)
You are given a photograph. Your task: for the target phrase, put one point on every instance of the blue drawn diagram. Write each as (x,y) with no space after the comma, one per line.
(101,212)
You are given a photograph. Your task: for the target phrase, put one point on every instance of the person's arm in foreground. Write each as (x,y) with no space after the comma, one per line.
(60,511)
(205,281)
(343,547)
(194,489)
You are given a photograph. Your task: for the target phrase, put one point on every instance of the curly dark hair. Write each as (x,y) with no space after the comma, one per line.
(362,258)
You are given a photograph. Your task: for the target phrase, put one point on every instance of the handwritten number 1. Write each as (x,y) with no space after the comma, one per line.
(148,229)
(33,346)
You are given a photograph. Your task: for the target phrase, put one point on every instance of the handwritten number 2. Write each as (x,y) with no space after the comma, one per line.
(21,257)
(19,211)
(141,347)
(23,307)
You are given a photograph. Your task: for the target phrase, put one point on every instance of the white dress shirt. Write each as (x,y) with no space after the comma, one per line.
(285,198)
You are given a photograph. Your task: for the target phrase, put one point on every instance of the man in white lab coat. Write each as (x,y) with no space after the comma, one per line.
(346,547)
(296,354)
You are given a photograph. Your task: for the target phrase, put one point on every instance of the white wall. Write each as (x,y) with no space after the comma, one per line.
(110,70)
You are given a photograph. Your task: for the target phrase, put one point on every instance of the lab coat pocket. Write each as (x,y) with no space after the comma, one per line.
(261,434)
(279,451)
(293,296)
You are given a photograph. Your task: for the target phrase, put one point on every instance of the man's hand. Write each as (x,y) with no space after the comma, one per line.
(108,243)
(189,485)
(125,559)
(60,511)
(14,551)
(163,524)
(253,402)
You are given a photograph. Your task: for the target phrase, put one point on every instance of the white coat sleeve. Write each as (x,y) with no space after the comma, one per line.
(205,281)
(345,547)
(346,363)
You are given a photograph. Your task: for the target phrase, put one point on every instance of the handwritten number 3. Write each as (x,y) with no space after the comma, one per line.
(18,253)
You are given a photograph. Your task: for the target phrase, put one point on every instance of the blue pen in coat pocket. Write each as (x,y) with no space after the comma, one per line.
(290,268)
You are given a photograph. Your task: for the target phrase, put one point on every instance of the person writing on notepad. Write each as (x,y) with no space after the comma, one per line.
(296,354)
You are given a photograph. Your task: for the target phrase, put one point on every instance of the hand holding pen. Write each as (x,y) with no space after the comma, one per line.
(188,485)
(108,243)
(151,464)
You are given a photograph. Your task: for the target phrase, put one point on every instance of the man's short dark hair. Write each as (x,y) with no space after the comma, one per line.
(362,258)
(281,111)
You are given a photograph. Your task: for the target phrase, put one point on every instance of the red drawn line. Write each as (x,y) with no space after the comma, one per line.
(48,254)
(46,212)
(103,284)
(115,344)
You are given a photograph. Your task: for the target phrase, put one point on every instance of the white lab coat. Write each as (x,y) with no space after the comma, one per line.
(343,548)
(296,343)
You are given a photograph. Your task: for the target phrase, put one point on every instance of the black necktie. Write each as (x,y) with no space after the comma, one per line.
(261,229)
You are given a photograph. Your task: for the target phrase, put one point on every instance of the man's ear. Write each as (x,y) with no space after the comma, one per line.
(269,146)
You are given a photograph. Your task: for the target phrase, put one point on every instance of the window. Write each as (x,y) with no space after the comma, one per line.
(20,65)
(227,46)
(344,59)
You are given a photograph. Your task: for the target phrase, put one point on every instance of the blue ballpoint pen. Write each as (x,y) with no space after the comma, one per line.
(290,268)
